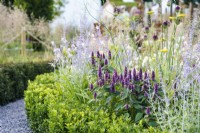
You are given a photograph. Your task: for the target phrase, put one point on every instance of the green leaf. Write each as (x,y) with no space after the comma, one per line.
(152,123)
(119,107)
(109,99)
(106,88)
(111,69)
(138,117)
(125,94)
(137,106)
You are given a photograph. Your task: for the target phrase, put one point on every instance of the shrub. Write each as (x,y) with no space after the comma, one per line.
(51,109)
(127,92)
(14,79)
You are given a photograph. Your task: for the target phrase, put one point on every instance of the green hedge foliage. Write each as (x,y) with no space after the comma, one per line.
(14,79)
(50,109)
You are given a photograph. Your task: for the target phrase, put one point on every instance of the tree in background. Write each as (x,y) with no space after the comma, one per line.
(103,2)
(8,3)
(35,9)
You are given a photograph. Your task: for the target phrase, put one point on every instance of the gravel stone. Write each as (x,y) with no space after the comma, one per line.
(13,118)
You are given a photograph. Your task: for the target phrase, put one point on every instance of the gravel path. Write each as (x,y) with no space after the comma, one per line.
(13,118)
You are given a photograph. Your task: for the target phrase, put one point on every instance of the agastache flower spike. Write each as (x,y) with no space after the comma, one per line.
(109,54)
(102,82)
(91,87)
(145,75)
(148,111)
(100,72)
(95,95)
(134,73)
(123,83)
(153,76)
(92,58)
(121,77)
(132,88)
(106,62)
(112,88)
(130,75)
(126,106)
(113,79)
(98,54)
(115,73)
(106,76)
(103,56)
(140,74)
(146,94)
(125,72)
(156,88)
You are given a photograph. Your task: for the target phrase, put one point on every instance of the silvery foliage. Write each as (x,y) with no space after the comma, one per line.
(181,112)
(76,53)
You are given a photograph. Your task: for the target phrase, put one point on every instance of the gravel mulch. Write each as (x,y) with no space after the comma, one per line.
(13,118)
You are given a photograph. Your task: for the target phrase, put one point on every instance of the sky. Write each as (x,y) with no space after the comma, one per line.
(75,10)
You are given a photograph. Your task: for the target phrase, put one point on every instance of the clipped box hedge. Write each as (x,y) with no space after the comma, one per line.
(14,78)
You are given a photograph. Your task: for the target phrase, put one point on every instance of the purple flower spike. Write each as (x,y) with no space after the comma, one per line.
(109,54)
(92,55)
(98,54)
(132,88)
(113,79)
(112,88)
(146,94)
(126,106)
(148,111)
(91,87)
(156,88)
(145,75)
(134,72)
(102,82)
(121,78)
(130,74)
(103,56)
(106,76)
(177,8)
(106,62)
(140,74)
(92,58)
(115,74)
(153,76)
(95,95)
(100,72)
(125,72)
(123,83)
